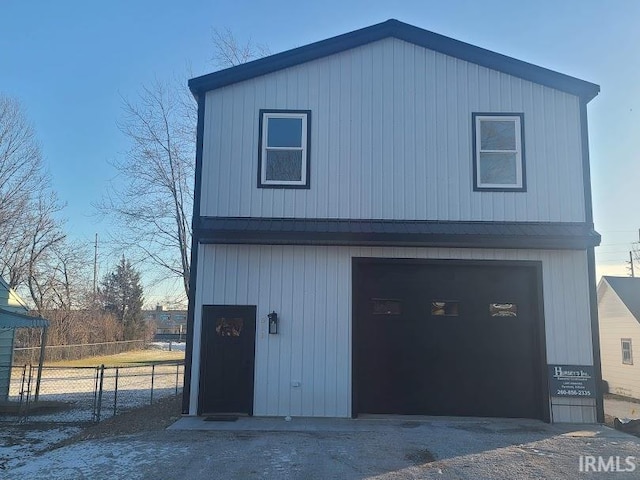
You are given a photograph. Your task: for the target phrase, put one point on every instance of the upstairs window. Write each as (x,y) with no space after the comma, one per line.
(284,149)
(498,152)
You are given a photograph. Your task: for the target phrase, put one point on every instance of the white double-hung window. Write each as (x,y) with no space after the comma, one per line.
(498,151)
(284,149)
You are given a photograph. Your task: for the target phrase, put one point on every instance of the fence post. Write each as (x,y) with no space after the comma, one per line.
(22,399)
(24,376)
(177,376)
(100,392)
(26,405)
(115,393)
(153,369)
(95,395)
(43,343)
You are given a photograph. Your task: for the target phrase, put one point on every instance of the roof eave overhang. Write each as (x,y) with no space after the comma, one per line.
(9,319)
(506,235)
(409,33)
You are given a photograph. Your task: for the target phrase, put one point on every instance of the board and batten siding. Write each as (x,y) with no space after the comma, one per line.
(9,300)
(616,323)
(310,289)
(391,139)
(7,336)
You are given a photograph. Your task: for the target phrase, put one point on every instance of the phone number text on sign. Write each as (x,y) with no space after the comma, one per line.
(573,393)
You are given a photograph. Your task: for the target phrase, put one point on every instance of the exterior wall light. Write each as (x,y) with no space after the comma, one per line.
(273,323)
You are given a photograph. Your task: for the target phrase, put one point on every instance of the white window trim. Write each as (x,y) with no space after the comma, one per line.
(519,185)
(622,342)
(263,170)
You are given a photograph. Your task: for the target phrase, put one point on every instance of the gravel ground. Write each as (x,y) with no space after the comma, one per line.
(442,448)
(141,420)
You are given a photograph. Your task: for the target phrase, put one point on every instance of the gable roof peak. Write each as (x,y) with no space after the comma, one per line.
(628,290)
(403,31)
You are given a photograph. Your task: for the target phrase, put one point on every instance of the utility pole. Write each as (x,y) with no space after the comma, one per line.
(95,266)
(635,249)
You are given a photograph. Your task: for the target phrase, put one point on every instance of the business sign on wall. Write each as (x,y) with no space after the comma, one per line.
(572,381)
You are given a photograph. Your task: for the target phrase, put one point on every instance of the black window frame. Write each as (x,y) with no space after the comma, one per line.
(307,149)
(476,174)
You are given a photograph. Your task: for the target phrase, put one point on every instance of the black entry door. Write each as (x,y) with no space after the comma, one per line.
(228,351)
(447,339)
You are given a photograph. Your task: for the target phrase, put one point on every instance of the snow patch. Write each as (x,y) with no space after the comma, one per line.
(177,346)
(19,443)
(94,460)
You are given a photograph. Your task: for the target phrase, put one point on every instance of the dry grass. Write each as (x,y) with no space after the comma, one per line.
(135,357)
(144,419)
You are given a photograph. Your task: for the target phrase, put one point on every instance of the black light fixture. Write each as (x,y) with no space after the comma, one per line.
(273,323)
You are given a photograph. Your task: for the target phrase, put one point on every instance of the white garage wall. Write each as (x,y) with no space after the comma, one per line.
(310,289)
(391,139)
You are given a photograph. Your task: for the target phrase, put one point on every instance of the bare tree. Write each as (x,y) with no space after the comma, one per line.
(29,228)
(151,199)
(20,175)
(21,171)
(152,196)
(228,51)
(35,255)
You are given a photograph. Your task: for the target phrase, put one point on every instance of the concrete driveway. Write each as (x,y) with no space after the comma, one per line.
(393,448)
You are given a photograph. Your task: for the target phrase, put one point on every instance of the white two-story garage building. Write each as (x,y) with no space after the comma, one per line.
(393,222)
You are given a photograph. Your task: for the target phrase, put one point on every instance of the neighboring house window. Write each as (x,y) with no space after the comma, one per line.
(498,152)
(627,354)
(283,160)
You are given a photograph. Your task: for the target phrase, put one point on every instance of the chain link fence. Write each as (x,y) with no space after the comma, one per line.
(89,394)
(52,353)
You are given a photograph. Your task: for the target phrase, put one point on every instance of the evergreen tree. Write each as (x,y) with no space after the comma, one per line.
(122,296)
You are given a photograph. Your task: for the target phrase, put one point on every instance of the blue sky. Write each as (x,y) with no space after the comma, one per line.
(70,61)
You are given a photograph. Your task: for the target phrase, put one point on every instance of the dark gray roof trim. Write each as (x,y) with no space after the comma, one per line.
(9,319)
(297,231)
(402,31)
(628,289)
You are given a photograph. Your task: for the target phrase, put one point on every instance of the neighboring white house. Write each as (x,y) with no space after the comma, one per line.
(393,222)
(619,314)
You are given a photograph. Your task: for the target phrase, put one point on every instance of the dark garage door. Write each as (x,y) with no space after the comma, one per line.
(447,339)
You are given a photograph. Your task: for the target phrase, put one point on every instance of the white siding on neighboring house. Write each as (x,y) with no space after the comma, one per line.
(310,288)
(616,323)
(7,336)
(391,139)
(4,296)
(9,300)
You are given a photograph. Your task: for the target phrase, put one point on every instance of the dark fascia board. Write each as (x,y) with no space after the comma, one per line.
(188,359)
(403,31)
(290,231)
